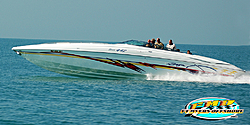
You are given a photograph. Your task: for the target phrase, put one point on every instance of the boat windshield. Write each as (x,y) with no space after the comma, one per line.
(134,42)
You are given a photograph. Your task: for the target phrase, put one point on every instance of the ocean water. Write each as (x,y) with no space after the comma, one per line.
(32,95)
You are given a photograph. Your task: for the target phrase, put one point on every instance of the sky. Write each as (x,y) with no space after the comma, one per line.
(202,22)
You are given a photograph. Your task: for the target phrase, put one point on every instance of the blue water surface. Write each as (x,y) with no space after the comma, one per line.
(32,95)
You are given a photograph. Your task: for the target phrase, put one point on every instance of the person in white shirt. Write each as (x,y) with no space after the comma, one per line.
(171,46)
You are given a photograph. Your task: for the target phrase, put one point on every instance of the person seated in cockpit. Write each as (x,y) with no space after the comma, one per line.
(153,43)
(159,44)
(188,52)
(170,46)
(149,44)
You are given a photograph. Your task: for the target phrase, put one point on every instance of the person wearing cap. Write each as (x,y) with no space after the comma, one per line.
(171,46)
(159,44)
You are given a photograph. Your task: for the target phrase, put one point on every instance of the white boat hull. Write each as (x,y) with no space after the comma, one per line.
(112,61)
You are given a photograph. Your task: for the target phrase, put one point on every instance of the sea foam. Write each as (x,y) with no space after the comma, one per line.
(245,78)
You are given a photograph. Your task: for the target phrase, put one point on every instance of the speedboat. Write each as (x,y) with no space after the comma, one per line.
(129,59)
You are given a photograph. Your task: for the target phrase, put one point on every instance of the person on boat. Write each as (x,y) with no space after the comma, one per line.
(159,44)
(188,52)
(149,44)
(153,43)
(171,46)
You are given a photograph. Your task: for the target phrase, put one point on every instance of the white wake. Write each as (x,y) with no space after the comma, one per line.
(245,78)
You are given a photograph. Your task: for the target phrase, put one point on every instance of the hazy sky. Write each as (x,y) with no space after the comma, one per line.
(208,22)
